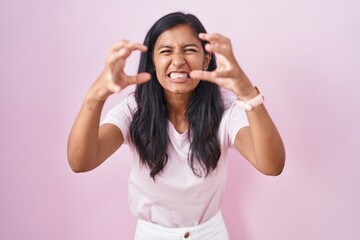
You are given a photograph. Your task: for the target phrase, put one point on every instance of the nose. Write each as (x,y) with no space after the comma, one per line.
(178,59)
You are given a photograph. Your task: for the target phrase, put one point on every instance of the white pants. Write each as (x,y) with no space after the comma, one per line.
(213,229)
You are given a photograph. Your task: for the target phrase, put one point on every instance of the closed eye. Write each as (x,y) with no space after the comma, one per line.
(165,51)
(191,50)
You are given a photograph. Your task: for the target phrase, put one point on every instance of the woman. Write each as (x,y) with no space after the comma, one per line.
(179,124)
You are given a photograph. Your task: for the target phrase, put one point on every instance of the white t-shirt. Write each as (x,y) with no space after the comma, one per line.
(177,198)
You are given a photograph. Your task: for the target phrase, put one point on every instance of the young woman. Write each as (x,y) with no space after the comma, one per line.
(187,110)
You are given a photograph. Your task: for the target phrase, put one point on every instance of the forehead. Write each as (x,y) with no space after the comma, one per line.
(178,35)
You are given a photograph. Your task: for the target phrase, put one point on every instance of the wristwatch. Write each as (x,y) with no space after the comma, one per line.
(248,105)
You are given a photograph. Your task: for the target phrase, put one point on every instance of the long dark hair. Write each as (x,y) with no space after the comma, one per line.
(148,129)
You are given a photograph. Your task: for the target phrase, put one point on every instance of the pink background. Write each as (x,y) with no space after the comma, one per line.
(305,55)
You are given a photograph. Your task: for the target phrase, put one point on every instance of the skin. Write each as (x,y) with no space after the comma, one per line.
(260,143)
(179,51)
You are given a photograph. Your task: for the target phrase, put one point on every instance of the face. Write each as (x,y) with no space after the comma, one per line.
(177,52)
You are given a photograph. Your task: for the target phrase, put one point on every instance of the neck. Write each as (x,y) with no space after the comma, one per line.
(177,105)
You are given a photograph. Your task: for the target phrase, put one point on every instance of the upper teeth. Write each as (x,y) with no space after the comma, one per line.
(178,75)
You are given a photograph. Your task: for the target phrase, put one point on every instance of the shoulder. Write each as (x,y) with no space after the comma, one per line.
(232,112)
(228,98)
(233,119)
(130,99)
(127,104)
(122,111)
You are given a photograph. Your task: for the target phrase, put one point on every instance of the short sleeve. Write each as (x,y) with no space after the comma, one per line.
(121,115)
(237,120)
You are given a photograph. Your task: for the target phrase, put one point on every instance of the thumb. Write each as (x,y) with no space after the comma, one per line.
(203,75)
(139,78)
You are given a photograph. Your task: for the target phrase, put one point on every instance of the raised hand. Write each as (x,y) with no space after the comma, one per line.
(113,78)
(228,73)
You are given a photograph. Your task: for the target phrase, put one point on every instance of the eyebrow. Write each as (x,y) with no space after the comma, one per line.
(184,46)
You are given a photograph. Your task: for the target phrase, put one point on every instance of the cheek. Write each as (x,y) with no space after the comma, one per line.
(160,65)
(160,76)
(195,62)
(160,70)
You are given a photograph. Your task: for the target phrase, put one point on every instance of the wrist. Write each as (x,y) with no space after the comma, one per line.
(244,89)
(98,93)
(248,93)
(96,96)
(91,103)
(249,103)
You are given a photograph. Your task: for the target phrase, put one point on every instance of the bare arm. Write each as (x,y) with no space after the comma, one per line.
(260,143)
(89,145)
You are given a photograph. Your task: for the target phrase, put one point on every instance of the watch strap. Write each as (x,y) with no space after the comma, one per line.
(248,105)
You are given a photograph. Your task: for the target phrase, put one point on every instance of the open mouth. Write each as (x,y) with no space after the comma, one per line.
(179,76)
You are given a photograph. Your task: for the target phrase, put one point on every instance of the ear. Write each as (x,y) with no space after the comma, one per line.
(206,61)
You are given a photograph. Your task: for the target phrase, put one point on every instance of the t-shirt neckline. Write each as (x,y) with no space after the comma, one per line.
(176,133)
